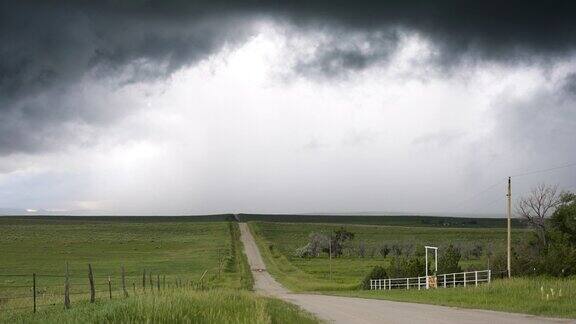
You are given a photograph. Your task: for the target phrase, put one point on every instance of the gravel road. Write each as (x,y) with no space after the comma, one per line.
(336,309)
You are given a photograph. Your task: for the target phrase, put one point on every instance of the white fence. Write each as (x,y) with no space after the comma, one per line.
(443,280)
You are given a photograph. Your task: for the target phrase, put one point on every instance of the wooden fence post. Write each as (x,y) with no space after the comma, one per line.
(91,280)
(144,280)
(124,282)
(34,290)
(109,287)
(67,288)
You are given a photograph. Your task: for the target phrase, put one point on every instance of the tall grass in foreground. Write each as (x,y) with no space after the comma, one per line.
(538,296)
(174,306)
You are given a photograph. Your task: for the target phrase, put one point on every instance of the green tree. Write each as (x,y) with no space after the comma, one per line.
(337,240)
(563,221)
(449,259)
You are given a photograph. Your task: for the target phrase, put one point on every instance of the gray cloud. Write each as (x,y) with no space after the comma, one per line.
(537,132)
(441,138)
(343,51)
(569,85)
(46,48)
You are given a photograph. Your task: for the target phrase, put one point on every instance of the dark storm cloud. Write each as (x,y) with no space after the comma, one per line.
(346,51)
(47,47)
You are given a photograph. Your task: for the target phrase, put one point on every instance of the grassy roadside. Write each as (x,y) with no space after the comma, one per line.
(537,296)
(176,306)
(241,261)
(287,273)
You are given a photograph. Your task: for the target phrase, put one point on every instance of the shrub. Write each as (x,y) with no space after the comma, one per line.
(406,267)
(362,249)
(377,272)
(383,250)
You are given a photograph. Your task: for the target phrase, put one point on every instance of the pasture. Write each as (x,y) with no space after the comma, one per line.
(279,241)
(531,295)
(196,266)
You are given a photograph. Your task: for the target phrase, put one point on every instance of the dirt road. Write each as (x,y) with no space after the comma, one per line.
(358,310)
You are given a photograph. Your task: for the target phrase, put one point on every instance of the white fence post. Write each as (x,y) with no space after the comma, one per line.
(476,278)
(386,284)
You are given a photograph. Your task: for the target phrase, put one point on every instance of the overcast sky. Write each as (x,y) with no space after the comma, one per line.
(178,107)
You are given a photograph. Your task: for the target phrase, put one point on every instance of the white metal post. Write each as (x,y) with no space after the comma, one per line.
(418,283)
(489,275)
(454,280)
(444,280)
(407,283)
(464,279)
(426,267)
(435,261)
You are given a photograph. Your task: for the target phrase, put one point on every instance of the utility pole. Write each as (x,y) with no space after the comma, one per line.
(509,212)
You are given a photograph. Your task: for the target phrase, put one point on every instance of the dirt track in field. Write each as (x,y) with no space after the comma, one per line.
(335,309)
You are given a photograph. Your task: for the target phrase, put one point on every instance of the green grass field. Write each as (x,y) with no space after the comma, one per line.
(538,296)
(278,241)
(175,252)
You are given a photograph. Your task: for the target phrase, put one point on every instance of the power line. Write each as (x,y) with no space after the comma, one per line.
(479,193)
(543,170)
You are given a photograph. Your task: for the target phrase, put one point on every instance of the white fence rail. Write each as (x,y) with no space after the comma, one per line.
(443,280)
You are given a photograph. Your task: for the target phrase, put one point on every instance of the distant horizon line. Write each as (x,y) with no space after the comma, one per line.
(17,212)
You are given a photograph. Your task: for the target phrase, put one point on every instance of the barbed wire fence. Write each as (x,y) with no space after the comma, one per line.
(37,291)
